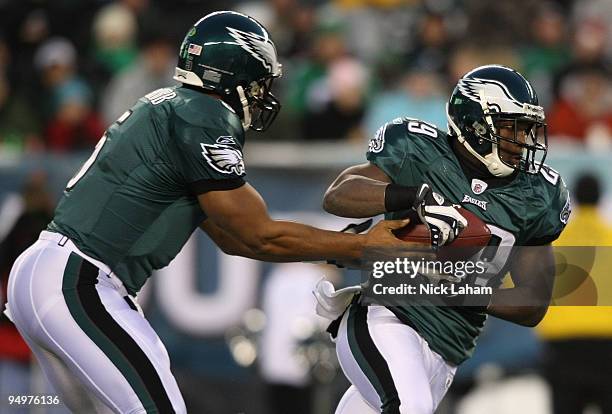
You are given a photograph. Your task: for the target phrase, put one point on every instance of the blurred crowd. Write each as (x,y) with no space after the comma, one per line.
(69,68)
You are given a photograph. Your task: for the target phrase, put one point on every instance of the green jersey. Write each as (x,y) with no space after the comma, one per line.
(133,204)
(525,209)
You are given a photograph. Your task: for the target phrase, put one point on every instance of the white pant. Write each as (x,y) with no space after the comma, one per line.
(390,365)
(92,343)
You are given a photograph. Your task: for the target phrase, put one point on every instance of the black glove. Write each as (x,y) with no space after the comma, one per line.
(440,216)
(353,228)
(356,228)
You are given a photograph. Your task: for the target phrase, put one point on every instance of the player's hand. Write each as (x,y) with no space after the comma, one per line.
(381,235)
(352,228)
(379,239)
(439,215)
(382,238)
(382,243)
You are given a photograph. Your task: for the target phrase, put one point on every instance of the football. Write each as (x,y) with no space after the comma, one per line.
(469,241)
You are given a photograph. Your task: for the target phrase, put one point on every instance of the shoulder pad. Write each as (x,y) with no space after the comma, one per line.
(200,109)
(422,128)
(554,203)
(407,132)
(552,184)
(549,175)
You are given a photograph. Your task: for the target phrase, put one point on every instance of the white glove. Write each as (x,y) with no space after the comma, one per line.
(440,216)
(331,303)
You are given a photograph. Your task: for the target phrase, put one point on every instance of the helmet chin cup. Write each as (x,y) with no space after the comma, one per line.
(246,111)
(495,165)
(492,161)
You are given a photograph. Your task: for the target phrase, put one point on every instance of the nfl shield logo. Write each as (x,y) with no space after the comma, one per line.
(478,186)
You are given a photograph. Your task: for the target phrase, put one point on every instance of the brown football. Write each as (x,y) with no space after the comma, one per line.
(471,239)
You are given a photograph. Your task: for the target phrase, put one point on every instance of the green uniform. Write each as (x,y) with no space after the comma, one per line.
(526,210)
(133,204)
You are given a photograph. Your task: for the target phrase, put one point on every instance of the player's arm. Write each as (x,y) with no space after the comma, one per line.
(225,240)
(359,191)
(243,215)
(532,272)
(365,190)
(533,269)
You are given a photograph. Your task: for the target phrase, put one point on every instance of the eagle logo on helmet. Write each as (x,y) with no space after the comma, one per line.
(259,47)
(476,89)
(223,158)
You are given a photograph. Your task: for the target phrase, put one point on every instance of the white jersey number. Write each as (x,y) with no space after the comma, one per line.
(87,164)
(420,127)
(495,254)
(94,156)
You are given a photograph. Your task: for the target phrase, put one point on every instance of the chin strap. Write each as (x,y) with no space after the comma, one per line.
(246,112)
(492,161)
(495,165)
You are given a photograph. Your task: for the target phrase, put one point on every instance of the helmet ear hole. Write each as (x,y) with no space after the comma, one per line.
(479,128)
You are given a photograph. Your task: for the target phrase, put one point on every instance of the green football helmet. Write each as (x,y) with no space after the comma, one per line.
(233,56)
(492,97)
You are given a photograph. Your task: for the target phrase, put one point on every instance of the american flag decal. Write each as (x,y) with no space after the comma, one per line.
(194,49)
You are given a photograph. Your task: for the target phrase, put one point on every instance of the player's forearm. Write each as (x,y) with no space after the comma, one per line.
(519,305)
(266,248)
(356,197)
(284,241)
(533,273)
(228,243)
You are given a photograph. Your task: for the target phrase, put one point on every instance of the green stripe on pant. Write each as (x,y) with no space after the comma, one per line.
(85,306)
(370,359)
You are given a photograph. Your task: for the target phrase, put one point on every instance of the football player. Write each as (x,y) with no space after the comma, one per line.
(169,164)
(402,359)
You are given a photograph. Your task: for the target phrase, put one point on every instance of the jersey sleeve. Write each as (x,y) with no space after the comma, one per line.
(211,158)
(388,150)
(551,222)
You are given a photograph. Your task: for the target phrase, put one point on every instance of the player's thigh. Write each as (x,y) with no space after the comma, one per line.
(353,403)
(78,315)
(71,392)
(384,359)
(419,375)
(136,364)
(352,364)
(34,295)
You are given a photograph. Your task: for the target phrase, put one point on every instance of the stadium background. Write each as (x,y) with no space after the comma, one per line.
(70,67)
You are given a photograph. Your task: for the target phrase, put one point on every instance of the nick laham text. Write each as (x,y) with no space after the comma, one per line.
(431,289)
